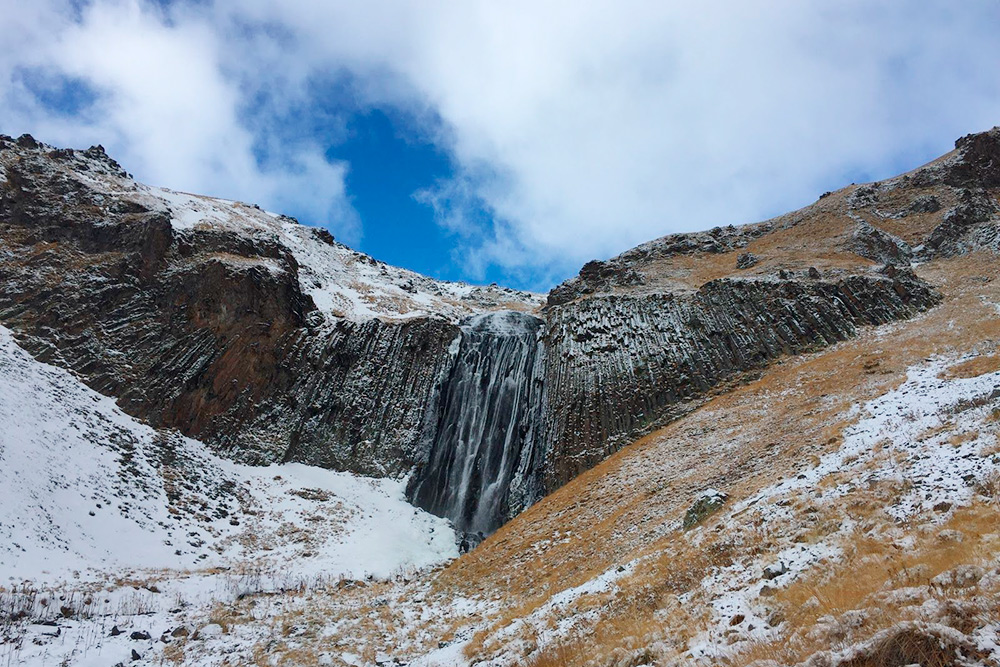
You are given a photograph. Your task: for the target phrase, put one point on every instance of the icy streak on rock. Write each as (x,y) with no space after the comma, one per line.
(485,424)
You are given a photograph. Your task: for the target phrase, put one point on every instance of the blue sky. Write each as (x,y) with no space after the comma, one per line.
(386,168)
(507,142)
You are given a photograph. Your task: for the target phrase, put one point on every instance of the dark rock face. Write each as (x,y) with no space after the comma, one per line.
(359,394)
(520,415)
(594,276)
(746,260)
(925,204)
(619,366)
(206,332)
(971,225)
(879,246)
(974,175)
(979,166)
(212,333)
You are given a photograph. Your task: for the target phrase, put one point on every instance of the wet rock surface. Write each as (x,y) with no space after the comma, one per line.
(483,436)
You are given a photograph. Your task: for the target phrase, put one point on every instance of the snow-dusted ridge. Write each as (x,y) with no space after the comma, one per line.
(344,283)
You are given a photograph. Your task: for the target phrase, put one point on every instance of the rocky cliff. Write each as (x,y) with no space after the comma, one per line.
(621,364)
(271,341)
(202,315)
(484,435)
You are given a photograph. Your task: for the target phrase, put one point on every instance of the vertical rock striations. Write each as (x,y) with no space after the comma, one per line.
(273,343)
(206,330)
(620,365)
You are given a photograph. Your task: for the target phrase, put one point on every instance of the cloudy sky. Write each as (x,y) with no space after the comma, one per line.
(508,141)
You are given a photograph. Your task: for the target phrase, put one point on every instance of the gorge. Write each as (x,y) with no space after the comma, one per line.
(272,342)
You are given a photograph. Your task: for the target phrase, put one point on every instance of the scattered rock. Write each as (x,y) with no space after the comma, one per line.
(737,619)
(115,631)
(27,141)
(707,504)
(814,273)
(135,655)
(324,235)
(746,260)
(879,246)
(774,570)
(140,636)
(925,204)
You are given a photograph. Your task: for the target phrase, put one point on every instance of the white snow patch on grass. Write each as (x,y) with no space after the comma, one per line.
(931,431)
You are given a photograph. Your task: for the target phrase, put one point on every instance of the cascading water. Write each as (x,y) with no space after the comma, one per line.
(484,432)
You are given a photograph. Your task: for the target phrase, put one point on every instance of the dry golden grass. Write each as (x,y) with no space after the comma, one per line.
(814,236)
(973,367)
(817,235)
(745,439)
(871,571)
(629,506)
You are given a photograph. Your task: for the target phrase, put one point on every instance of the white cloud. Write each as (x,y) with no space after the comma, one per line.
(584,128)
(166,108)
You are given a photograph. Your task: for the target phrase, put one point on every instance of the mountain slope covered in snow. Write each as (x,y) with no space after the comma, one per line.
(93,499)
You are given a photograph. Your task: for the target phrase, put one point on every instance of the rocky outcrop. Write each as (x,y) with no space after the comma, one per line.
(619,365)
(204,330)
(878,246)
(625,270)
(973,224)
(978,163)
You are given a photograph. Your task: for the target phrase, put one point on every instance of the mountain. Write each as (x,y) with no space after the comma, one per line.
(272,342)
(774,442)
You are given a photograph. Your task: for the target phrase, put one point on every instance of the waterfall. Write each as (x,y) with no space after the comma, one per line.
(485,423)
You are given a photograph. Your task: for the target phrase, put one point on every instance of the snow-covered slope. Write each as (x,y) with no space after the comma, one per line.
(88,489)
(128,526)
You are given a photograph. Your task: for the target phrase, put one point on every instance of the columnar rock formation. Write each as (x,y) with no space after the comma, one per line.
(273,342)
(620,365)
